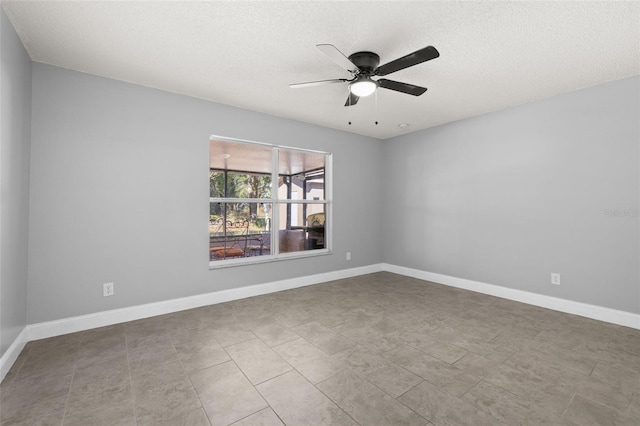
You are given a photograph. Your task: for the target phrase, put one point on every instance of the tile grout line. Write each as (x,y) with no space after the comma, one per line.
(331,399)
(133,394)
(567,407)
(197,394)
(188,376)
(413,387)
(73,375)
(250,383)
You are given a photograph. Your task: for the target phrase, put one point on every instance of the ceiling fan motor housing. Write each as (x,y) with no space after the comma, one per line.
(367,62)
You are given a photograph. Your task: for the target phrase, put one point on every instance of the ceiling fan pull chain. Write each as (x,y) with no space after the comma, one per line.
(376,107)
(349,110)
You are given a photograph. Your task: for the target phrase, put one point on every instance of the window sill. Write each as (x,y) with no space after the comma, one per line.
(254,260)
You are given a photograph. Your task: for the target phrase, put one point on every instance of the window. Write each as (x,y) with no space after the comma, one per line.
(266,202)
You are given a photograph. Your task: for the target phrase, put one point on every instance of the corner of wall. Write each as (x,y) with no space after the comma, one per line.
(15,142)
(11,354)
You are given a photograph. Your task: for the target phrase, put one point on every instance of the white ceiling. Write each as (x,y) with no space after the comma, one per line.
(493,55)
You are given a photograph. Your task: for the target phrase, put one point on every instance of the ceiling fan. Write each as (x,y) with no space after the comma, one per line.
(364,65)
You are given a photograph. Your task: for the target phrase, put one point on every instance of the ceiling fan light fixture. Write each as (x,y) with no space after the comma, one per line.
(362,87)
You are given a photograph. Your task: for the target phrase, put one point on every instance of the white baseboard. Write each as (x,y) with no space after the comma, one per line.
(627,319)
(116,316)
(11,354)
(100,319)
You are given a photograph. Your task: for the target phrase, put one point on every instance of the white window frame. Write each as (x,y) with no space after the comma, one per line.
(275,201)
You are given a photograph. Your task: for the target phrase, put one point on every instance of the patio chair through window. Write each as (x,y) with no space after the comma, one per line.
(229,239)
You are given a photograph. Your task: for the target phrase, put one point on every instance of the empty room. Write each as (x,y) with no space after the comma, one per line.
(419,213)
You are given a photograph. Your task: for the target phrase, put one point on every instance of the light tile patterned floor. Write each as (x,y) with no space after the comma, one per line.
(379,349)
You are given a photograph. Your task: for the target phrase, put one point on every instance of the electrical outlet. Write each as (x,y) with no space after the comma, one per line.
(555,278)
(348,255)
(107,289)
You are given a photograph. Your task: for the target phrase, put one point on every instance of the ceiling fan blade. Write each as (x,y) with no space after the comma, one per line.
(317,83)
(337,56)
(409,60)
(407,88)
(351,100)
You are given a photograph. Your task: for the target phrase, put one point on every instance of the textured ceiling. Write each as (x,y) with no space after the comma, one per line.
(493,55)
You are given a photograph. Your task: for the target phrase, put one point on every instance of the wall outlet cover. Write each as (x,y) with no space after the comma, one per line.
(107,289)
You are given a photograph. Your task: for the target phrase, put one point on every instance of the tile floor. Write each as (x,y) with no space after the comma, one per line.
(379,349)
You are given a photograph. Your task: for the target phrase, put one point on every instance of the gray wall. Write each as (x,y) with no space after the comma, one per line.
(509,197)
(119,192)
(15,136)
(119,172)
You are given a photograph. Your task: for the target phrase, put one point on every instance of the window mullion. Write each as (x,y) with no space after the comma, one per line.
(275,207)
(328,196)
